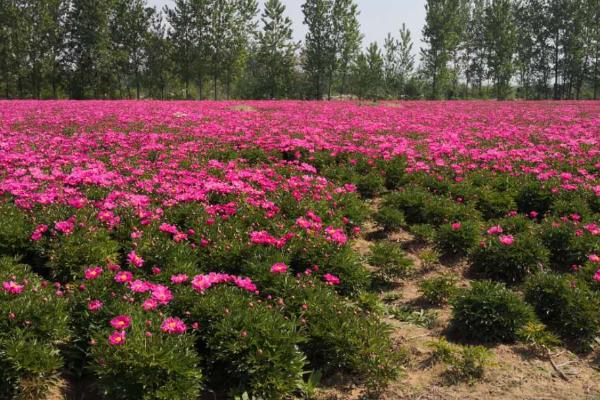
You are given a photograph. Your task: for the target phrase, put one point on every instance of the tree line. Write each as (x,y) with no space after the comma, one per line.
(194,49)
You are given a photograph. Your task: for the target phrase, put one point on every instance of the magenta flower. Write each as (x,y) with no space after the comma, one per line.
(331,280)
(456,226)
(93,273)
(134,259)
(495,230)
(279,268)
(121,322)
(95,305)
(597,276)
(162,294)
(179,279)
(117,338)
(123,277)
(149,304)
(594,258)
(12,287)
(506,240)
(173,325)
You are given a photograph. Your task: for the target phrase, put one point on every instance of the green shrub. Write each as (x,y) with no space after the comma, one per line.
(566,247)
(488,312)
(568,309)
(429,258)
(509,263)
(534,196)
(390,219)
(248,343)
(495,204)
(68,255)
(465,363)
(458,237)
(153,365)
(438,290)
(390,260)
(369,185)
(35,324)
(394,172)
(15,230)
(341,337)
(423,318)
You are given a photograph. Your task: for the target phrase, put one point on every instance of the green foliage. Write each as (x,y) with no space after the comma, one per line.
(567,247)
(247,342)
(488,312)
(68,255)
(35,324)
(465,363)
(509,263)
(537,336)
(439,289)
(423,318)
(390,260)
(147,366)
(458,240)
(15,230)
(390,219)
(534,196)
(567,308)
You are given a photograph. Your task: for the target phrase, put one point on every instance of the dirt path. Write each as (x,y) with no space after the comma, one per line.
(516,373)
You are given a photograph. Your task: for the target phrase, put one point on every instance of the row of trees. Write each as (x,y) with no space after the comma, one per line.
(542,48)
(225,48)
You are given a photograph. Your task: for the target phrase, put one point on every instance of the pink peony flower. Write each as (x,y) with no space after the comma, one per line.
(331,280)
(135,260)
(93,273)
(179,279)
(173,325)
(139,286)
(150,304)
(121,322)
(162,294)
(594,258)
(279,268)
(597,276)
(506,240)
(12,287)
(66,227)
(117,338)
(95,305)
(495,230)
(123,277)
(456,226)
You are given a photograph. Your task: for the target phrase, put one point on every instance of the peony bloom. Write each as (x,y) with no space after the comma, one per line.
(134,259)
(173,325)
(149,304)
(124,277)
(179,279)
(66,227)
(93,273)
(279,268)
(139,286)
(506,240)
(95,305)
(594,258)
(456,226)
(597,276)
(162,294)
(121,322)
(331,280)
(12,287)
(117,338)
(495,230)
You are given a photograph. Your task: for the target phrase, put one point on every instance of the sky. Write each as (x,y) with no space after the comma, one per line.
(377,18)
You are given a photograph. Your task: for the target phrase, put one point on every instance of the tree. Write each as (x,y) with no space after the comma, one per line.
(474,47)
(398,62)
(159,52)
(184,36)
(346,38)
(129,29)
(442,34)
(368,73)
(319,47)
(88,49)
(275,55)
(500,38)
